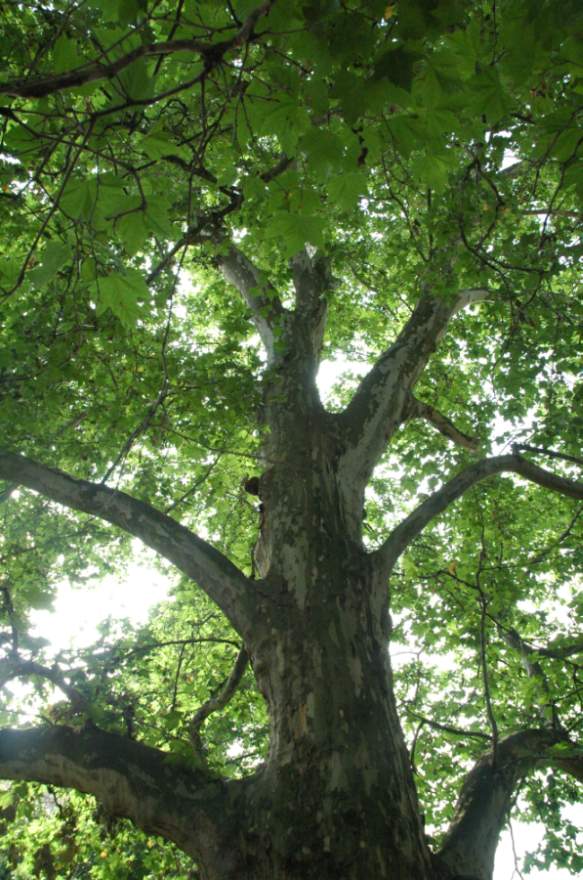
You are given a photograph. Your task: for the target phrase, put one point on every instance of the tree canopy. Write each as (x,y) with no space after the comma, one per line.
(186,187)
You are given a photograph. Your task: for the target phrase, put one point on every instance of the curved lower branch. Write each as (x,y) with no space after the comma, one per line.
(130,779)
(218,577)
(15,667)
(413,525)
(469,846)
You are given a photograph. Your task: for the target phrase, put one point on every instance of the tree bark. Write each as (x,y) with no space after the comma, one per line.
(336,798)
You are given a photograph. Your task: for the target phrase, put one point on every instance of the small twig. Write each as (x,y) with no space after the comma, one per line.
(514,853)
(446,728)
(525,447)
(220,700)
(483,650)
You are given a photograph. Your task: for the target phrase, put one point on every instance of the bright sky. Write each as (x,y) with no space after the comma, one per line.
(77,613)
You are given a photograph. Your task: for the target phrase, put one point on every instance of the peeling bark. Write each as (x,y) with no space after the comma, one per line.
(134,781)
(380,403)
(336,798)
(259,294)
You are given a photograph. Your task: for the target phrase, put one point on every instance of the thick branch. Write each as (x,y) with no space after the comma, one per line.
(470,844)
(130,779)
(312,281)
(560,651)
(380,403)
(217,576)
(260,296)
(413,525)
(211,53)
(419,410)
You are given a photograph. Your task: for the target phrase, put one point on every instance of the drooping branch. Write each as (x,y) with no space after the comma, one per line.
(380,403)
(258,293)
(413,525)
(211,54)
(215,574)
(469,846)
(130,779)
(417,409)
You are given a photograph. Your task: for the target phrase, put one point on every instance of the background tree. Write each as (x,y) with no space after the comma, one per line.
(200,202)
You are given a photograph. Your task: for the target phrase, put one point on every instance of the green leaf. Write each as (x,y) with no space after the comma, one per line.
(489,96)
(567,143)
(133,231)
(122,294)
(55,255)
(323,148)
(159,143)
(79,199)
(396,65)
(293,231)
(66,55)
(345,190)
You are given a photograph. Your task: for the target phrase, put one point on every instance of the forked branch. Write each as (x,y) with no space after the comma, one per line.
(380,403)
(213,572)
(211,54)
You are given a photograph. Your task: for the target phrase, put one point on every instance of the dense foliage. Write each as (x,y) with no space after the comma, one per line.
(416,144)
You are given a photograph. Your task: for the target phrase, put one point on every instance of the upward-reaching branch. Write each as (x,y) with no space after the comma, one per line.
(312,280)
(469,846)
(413,525)
(380,403)
(259,294)
(218,577)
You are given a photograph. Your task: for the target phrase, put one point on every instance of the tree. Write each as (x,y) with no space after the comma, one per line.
(202,201)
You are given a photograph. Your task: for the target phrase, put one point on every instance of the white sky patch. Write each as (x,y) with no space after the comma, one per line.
(78,611)
(526,839)
(331,372)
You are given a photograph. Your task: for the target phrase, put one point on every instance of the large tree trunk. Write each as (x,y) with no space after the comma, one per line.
(336,798)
